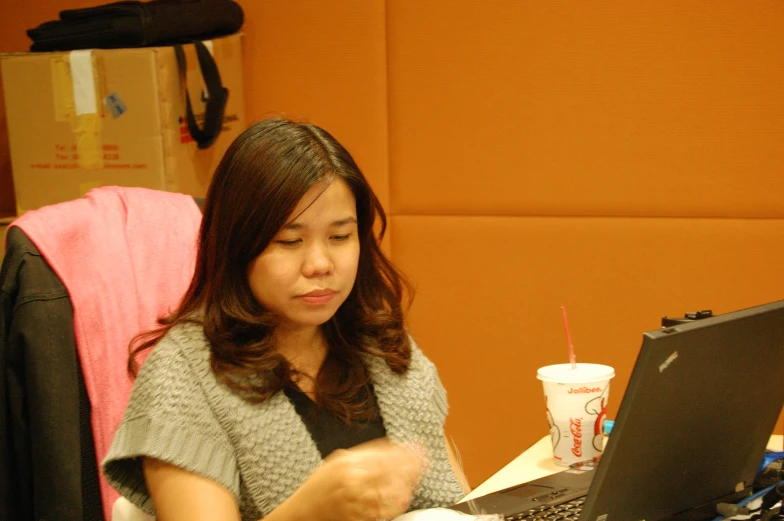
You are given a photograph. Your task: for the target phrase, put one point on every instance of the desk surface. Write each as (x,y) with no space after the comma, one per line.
(537,461)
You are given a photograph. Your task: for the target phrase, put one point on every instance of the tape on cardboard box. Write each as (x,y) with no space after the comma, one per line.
(75,82)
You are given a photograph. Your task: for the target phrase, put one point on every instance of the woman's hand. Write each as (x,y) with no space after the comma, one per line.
(372,481)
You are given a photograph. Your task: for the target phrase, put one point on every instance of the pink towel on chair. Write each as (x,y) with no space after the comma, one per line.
(126,257)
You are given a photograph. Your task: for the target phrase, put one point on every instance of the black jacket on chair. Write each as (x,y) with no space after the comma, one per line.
(48,467)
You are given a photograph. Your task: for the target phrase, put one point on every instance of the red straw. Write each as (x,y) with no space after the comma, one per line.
(572,357)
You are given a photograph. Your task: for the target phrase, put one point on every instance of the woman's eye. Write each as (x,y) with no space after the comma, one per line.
(292,242)
(341,237)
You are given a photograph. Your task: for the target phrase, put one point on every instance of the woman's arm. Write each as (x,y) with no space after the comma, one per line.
(180,495)
(375,480)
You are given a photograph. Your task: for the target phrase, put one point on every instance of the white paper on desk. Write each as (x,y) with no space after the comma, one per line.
(444,514)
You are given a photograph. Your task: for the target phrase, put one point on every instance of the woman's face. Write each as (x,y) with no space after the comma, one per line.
(309,267)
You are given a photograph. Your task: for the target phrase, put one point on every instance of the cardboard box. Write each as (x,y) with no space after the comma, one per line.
(82,119)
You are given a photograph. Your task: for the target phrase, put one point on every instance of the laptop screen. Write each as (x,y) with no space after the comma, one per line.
(692,428)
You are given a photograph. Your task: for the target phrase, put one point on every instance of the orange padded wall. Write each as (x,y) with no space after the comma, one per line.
(623,159)
(325,63)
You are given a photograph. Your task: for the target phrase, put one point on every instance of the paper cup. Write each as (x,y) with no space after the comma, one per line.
(576,405)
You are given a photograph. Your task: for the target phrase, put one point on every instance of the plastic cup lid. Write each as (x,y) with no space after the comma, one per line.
(584,373)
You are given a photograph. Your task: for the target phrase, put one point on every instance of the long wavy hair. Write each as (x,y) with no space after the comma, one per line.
(260,180)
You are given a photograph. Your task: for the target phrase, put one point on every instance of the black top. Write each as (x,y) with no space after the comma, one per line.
(330,432)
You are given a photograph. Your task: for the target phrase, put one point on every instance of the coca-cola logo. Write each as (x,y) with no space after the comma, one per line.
(575,427)
(583,390)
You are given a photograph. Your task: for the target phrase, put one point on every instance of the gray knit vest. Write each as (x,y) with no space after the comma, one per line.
(273,449)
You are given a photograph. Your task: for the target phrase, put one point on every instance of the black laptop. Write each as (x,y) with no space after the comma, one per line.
(691,430)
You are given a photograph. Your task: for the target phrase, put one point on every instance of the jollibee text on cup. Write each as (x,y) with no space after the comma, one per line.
(576,407)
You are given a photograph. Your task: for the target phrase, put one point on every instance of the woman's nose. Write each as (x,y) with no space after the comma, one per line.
(318,262)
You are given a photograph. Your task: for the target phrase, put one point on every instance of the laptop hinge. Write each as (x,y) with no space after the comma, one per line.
(708,510)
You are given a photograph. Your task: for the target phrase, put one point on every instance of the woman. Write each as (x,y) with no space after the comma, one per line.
(285,386)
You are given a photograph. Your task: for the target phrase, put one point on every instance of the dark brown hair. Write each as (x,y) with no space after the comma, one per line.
(258,183)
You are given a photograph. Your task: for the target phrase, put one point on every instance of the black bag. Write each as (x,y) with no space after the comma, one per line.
(217,96)
(159,22)
(137,24)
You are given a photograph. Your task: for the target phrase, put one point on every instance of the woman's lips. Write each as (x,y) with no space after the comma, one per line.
(318,296)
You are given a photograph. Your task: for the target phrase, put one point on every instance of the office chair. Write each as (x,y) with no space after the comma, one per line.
(48,458)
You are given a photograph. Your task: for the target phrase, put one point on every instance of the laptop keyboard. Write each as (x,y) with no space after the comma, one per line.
(569,511)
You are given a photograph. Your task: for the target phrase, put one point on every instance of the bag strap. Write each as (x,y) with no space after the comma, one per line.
(217,95)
